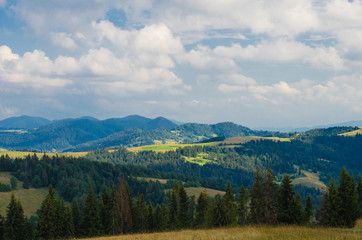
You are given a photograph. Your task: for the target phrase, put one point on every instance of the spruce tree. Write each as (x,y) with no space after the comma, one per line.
(150,218)
(270,195)
(125,208)
(173,210)
(359,193)
(90,222)
(219,217)
(60,224)
(322,213)
(158,219)
(69,230)
(113,213)
(201,209)
(104,212)
(140,217)
(333,205)
(242,207)
(191,211)
(47,217)
(286,202)
(257,199)
(230,207)
(347,199)
(308,210)
(1,227)
(15,222)
(183,219)
(76,217)
(299,211)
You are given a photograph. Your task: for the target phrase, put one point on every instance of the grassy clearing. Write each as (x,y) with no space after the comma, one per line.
(195,191)
(242,140)
(310,180)
(20,154)
(250,232)
(30,199)
(166,147)
(163,181)
(352,133)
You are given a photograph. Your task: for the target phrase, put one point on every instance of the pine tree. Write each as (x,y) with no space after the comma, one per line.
(158,219)
(104,212)
(69,231)
(15,222)
(113,213)
(270,192)
(173,210)
(219,217)
(2,227)
(90,222)
(286,202)
(322,213)
(201,209)
(76,217)
(125,208)
(308,210)
(47,217)
(140,217)
(333,205)
(183,219)
(59,221)
(150,217)
(242,207)
(230,207)
(347,199)
(359,192)
(257,199)
(299,211)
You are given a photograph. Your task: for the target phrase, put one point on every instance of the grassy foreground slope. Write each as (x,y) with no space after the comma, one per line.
(251,232)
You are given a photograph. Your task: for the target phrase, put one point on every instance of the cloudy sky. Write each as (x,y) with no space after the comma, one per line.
(253,62)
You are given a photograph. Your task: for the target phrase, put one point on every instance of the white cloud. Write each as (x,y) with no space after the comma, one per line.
(2,3)
(63,40)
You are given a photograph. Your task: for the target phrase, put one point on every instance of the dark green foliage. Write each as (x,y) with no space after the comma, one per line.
(13,182)
(15,223)
(270,196)
(242,211)
(286,202)
(299,211)
(182,215)
(347,200)
(140,217)
(158,219)
(359,193)
(230,206)
(308,210)
(173,207)
(333,205)
(257,199)
(5,187)
(219,212)
(125,208)
(76,217)
(47,217)
(111,216)
(26,183)
(150,218)
(201,209)
(90,222)
(2,220)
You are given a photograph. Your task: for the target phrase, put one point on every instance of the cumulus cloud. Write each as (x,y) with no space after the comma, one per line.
(63,40)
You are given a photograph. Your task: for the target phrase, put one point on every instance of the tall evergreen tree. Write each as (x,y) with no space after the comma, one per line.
(230,206)
(257,199)
(191,202)
(69,231)
(270,192)
(286,202)
(359,193)
(332,205)
(347,199)
(173,210)
(2,227)
(47,217)
(150,217)
(90,222)
(76,217)
(308,210)
(103,209)
(140,217)
(219,217)
(113,213)
(183,218)
(242,207)
(15,222)
(158,219)
(201,209)
(125,208)
(59,221)
(299,211)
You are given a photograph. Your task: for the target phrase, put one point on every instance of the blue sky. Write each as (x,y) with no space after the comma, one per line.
(277,63)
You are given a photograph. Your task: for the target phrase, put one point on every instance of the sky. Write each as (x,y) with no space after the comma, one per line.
(259,63)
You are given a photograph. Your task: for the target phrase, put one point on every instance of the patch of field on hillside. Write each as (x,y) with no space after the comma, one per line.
(166,147)
(20,154)
(352,133)
(242,140)
(249,233)
(147,179)
(30,199)
(195,191)
(310,180)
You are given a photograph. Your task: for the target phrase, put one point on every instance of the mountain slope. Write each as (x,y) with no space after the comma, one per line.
(23,122)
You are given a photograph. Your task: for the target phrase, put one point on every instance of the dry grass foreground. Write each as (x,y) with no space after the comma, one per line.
(250,232)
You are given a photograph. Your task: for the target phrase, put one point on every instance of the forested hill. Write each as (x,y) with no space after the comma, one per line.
(84,134)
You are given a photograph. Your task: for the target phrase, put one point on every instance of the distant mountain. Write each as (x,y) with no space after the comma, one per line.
(23,122)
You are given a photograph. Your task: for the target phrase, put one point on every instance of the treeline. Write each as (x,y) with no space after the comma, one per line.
(116,212)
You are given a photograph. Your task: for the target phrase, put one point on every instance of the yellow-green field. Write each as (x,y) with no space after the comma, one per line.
(195,191)
(20,154)
(310,180)
(147,179)
(30,199)
(250,233)
(166,147)
(241,140)
(352,133)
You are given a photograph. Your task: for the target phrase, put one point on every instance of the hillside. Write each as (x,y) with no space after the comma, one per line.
(23,122)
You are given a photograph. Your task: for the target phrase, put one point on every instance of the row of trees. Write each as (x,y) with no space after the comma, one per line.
(116,212)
